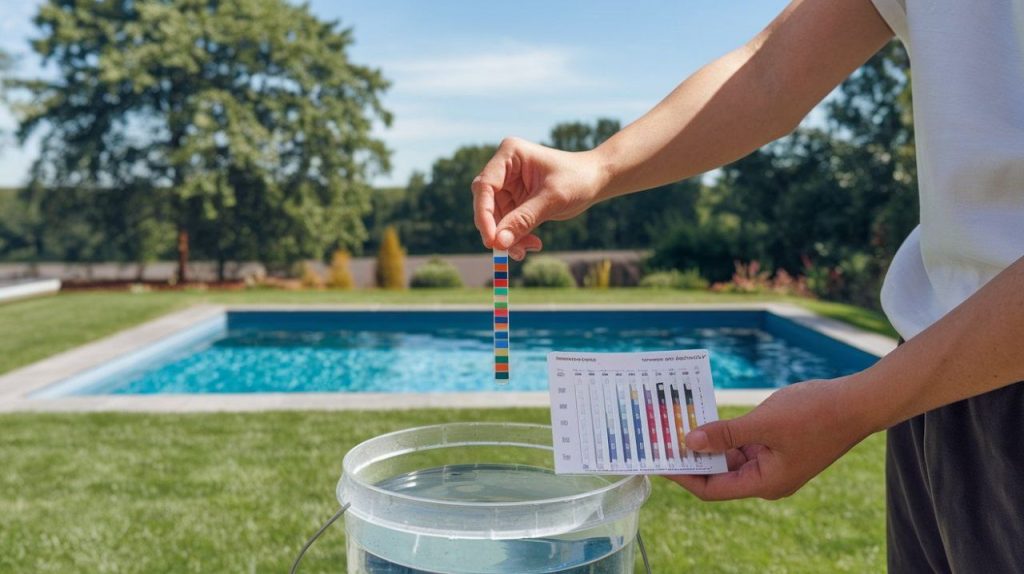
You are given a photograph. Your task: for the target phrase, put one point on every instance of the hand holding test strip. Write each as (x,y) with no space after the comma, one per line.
(610,412)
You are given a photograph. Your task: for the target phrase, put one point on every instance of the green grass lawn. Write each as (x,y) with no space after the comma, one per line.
(241,492)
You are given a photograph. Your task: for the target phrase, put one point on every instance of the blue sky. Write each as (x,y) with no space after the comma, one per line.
(474,72)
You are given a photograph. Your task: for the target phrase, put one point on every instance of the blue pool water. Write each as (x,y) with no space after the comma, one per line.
(436,351)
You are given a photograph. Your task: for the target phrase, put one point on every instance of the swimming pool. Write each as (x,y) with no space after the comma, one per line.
(416,351)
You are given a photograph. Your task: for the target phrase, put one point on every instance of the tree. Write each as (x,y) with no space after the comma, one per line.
(247,114)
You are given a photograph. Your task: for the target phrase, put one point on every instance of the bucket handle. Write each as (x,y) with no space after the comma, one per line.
(341,511)
(312,539)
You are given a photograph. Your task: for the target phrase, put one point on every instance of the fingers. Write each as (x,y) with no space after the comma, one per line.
(744,482)
(734,458)
(483,211)
(520,222)
(485,187)
(720,436)
(529,243)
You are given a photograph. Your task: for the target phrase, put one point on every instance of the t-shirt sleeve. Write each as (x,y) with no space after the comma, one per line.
(895,14)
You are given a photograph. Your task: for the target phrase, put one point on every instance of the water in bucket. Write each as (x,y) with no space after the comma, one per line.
(435,500)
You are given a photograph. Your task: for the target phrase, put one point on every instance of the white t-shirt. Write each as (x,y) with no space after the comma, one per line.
(967,62)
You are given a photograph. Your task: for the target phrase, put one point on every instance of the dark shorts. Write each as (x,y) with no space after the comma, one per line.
(955,487)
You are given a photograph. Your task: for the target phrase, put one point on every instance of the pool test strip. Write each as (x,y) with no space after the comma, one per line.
(501,372)
(597,418)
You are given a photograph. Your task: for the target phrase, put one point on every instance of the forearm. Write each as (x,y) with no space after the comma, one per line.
(745,99)
(973,349)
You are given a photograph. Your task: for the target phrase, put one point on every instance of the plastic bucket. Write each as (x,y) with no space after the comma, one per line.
(480,498)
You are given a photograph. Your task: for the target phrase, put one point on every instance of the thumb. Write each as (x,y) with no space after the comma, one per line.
(720,436)
(521,221)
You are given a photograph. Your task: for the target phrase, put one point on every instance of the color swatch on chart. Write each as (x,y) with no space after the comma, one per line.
(501,372)
(628,413)
(677,411)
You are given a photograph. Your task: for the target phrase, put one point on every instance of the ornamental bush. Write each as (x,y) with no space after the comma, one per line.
(390,269)
(436,273)
(547,272)
(339,276)
(675,279)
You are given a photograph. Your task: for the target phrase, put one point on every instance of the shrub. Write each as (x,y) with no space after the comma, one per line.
(339,276)
(675,279)
(750,278)
(436,273)
(547,272)
(390,271)
(599,276)
(310,278)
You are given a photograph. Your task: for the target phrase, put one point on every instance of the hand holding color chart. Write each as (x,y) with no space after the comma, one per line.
(501,372)
(610,412)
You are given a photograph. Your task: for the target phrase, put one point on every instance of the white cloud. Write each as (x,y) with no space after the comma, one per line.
(501,71)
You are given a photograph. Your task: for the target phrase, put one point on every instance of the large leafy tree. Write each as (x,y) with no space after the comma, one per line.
(245,117)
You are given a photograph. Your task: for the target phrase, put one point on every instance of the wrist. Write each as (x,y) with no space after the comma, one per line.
(603,163)
(870,406)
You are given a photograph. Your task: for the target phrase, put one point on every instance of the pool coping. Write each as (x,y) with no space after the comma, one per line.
(17,386)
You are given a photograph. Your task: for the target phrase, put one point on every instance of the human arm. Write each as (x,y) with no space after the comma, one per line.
(800,430)
(729,108)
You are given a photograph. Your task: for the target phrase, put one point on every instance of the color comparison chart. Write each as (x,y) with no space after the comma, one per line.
(628,413)
(501,372)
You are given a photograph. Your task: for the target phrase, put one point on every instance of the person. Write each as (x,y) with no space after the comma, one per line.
(954,291)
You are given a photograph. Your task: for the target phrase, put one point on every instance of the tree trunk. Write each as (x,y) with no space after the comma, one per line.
(182,255)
